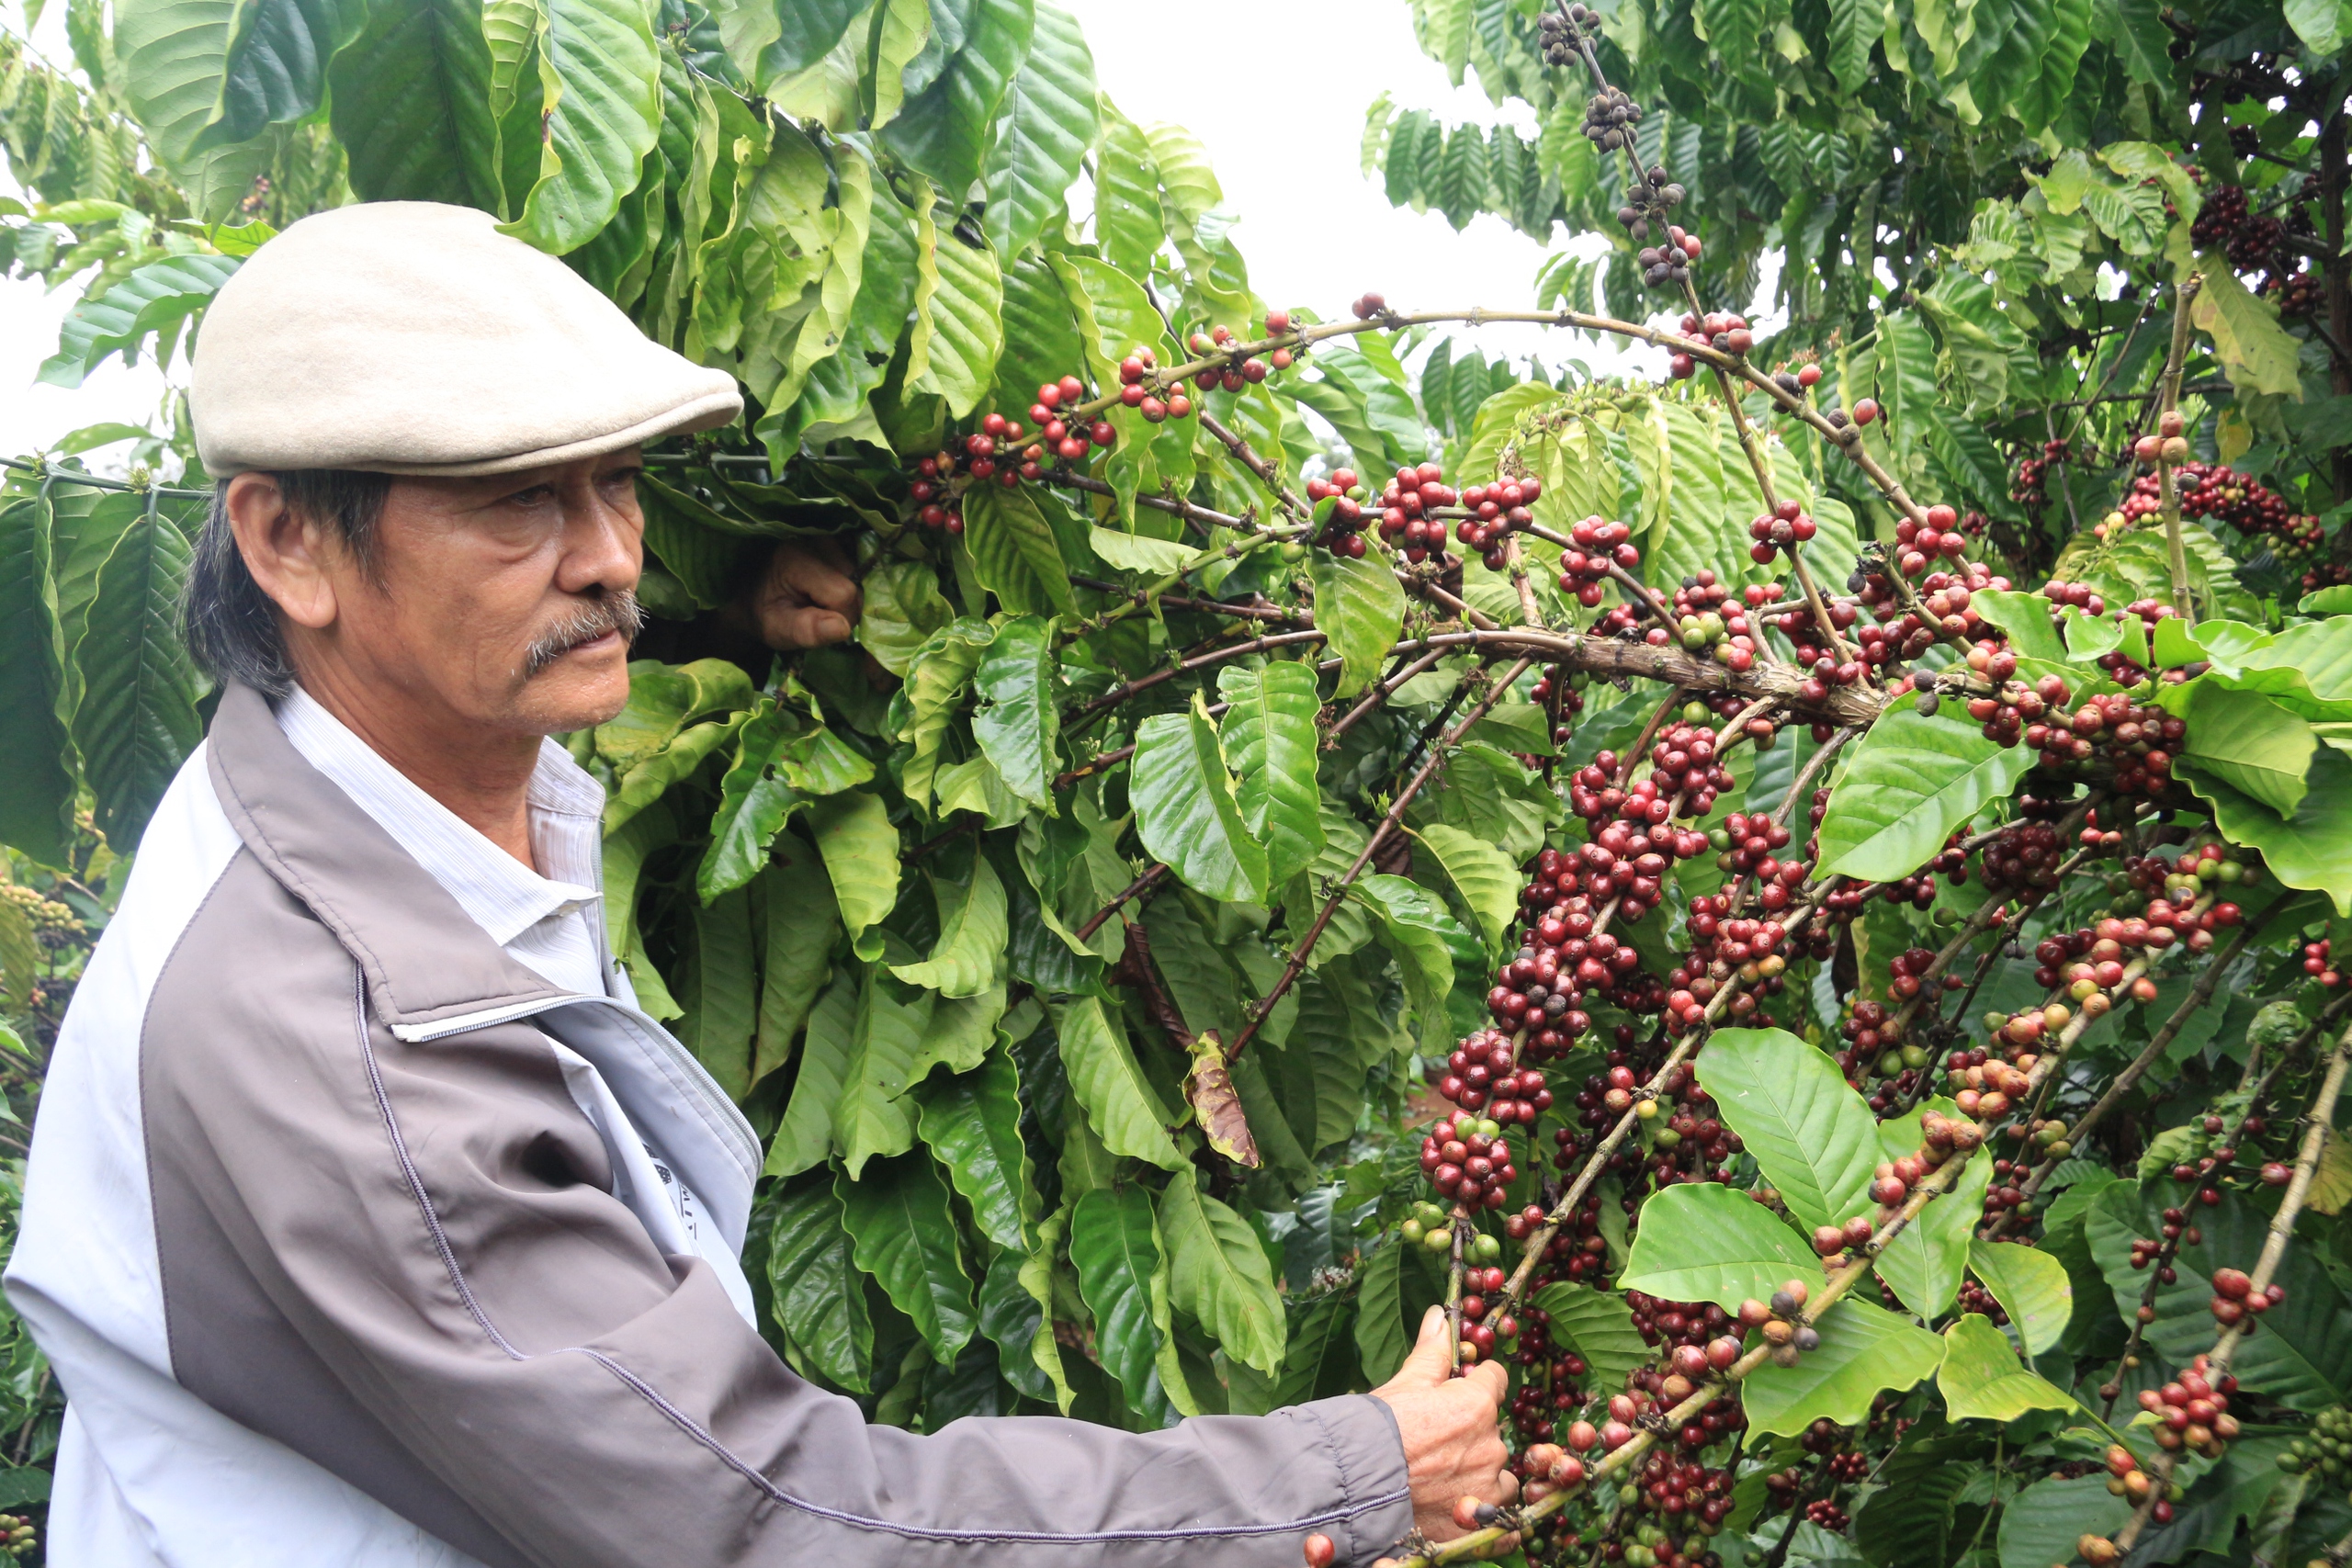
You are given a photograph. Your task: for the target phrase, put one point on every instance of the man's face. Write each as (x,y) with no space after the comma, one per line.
(506,602)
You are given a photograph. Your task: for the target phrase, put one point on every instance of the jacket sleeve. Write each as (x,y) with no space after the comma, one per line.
(430,1223)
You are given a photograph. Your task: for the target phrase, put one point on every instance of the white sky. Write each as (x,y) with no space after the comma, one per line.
(1314,230)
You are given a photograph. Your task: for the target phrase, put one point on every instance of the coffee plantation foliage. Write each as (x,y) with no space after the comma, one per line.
(1797,895)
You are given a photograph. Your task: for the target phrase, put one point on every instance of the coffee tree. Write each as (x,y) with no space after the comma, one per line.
(1797,898)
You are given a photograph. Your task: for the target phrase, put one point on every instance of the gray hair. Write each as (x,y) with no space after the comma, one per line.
(230,624)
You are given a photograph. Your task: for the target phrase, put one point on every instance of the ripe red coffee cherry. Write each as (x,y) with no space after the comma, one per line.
(1866,412)
(1321,1551)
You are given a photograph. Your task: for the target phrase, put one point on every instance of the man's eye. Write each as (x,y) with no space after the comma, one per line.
(538,495)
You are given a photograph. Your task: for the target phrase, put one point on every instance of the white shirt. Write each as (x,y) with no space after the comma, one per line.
(553,925)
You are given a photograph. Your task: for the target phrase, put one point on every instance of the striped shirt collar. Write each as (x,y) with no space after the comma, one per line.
(504,897)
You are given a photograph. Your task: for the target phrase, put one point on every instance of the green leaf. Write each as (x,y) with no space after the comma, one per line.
(861,850)
(1127,219)
(2040,1525)
(650,780)
(753,805)
(1863,1349)
(1218,1271)
(803,919)
(1013,551)
(410,103)
(904,1235)
(1123,1276)
(2250,743)
(1048,123)
(1601,1326)
(136,721)
(1981,1379)
(943,132)
(1018,723)
(2319,23)
(818,1295)
(1270,739)
(968,955)
(1121,1105)
(2311,849)
(36,780)
(155,297)
(1853,28)
(1382,1342)
(958,317)
(1909,1518)
(1711,1243)
(870,1117)
(1808,1130)
(2026,617)
(1924,1263)
(1187,812)
(1906,785)
(2259,355)
(1485,878)
(972,1122)
(1429,943)
(775,39)
(805,1134)
(720,992)
(1360,608)
(600,74)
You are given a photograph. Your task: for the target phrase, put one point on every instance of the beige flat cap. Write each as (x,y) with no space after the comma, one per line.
(409,337)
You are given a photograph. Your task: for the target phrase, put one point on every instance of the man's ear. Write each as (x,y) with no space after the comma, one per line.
(290,556)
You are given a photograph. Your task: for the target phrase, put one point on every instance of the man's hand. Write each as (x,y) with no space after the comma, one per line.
(1453,1446)
(805,598)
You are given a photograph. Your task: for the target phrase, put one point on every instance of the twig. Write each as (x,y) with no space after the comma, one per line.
(1135,889)
(2184,295)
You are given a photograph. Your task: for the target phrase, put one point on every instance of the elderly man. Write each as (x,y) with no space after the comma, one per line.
(369,1222)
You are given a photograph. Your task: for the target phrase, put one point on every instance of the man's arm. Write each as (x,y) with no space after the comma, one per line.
(431,1224)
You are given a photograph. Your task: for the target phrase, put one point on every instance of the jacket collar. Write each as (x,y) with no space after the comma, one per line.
(425,960)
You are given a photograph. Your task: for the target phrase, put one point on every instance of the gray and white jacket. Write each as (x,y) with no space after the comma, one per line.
(328,1261)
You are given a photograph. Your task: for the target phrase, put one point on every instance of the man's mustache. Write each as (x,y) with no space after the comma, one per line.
(616,611)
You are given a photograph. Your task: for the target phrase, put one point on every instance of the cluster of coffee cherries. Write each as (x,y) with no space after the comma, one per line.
(2236,1303)
(1633,844)
(1975,1298)
(2217,491)
(1342,531)
(1465,1156)
(1785,525)
(1494,510)
(2137,740)
(2326,1452)
(1484,1324)
(1944,609)
(1555,680)
(1725,947)
(1682,1492)
(1241,370)
(1939,538)
(1609,116)
(2251,240)
(1878,1043)
(1413,496)
(2031,486)
(1555,33)
(1595,543)
(1668,265)
(2193,1412)
(1779,1323)
(1549,1385)
(1799,382)
(2319,963)
(1725,332)
(1703,623)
